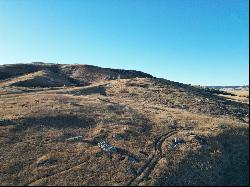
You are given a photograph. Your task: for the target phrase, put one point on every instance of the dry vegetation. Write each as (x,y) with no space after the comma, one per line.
(139,116)
(238,95)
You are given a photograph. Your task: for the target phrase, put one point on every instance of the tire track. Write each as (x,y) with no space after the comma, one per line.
(146,169)
(57,173)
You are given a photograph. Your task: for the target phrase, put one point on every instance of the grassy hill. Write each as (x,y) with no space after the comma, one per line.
(54,117)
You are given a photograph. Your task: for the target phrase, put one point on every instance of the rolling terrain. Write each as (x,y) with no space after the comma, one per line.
(85,125)
(236,93)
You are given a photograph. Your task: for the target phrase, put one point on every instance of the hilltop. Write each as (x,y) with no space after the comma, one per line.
(64,124)
(74,75)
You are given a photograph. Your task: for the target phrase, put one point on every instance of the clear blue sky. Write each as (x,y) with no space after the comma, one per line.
(190,41)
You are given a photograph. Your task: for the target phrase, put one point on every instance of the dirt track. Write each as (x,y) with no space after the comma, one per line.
(146,169)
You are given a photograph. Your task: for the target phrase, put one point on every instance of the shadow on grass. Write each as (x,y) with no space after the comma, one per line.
(59,122)
(90,90)
(227,164)
(6,122)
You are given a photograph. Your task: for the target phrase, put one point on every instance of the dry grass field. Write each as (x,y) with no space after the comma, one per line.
(53,118)
(239,95)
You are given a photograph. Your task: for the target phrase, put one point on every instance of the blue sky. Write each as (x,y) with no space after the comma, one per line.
(190,41)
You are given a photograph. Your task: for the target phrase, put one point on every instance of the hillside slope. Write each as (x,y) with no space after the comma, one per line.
(116,127)
(80,73)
